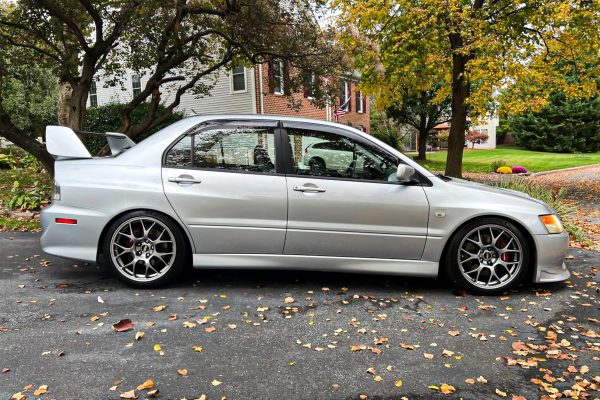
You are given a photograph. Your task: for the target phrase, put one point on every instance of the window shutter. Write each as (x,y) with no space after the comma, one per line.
(364,104)
(349,96)
(286,77)
(357,96)
(271,77)
(305,84)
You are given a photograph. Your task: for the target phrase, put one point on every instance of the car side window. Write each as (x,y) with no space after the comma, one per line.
(180,155)
(244,149)
(317,153)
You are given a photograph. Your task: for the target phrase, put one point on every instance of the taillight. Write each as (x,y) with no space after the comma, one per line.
(68,221)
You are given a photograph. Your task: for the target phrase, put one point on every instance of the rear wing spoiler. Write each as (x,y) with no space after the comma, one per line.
(63,143)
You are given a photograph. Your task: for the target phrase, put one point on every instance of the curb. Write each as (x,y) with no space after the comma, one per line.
(564,169)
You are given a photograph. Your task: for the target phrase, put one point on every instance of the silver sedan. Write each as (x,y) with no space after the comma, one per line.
(232,191)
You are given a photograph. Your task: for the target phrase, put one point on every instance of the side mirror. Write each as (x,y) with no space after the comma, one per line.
(404,173)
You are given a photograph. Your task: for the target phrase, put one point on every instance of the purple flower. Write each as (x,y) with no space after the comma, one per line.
(517,169)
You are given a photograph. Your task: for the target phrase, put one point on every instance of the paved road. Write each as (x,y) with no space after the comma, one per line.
(55,332)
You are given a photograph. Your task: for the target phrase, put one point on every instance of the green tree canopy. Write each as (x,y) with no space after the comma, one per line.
(475,49)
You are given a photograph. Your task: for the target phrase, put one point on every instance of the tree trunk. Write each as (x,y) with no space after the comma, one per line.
(458,122)
(423,133)
(72,105)
(9,131)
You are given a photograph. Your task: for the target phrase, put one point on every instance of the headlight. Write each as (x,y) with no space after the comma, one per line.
(552,223)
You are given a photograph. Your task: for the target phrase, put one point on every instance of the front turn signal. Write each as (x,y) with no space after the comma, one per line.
(552,223)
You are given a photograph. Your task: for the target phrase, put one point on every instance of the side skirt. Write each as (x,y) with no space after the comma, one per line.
(317,263)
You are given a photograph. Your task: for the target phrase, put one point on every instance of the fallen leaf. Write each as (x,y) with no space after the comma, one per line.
(182,372)
(428,356)
(149,384)
(501,393)
(159,308)
(584,369)
(210,329)
(398,383)
(470,381)
(198,348)
(232,326)
(123,325)
(481,379)
(100,300)
(157,347)
(518,397)
(43,389)
(5,370)
(129,395)
(453,333)
(188,324)
(447,389)
(153,393)
(289,300)
(378,378)
(216,382)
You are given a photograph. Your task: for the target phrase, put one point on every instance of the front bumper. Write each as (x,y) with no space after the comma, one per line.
(551,251)
(78,241)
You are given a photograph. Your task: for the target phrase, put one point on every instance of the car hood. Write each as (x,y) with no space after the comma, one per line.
(463,184)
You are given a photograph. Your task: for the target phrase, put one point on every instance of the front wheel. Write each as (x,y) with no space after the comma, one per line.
(488,256)
(145,249)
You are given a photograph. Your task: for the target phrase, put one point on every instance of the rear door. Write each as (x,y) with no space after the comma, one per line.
(353,206)
(225,182)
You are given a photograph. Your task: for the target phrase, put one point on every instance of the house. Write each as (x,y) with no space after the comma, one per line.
(247,90)
(439,136)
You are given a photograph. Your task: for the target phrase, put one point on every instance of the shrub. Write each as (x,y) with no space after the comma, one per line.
(107,118)
(517,169)
(563,126)
(7,161)
(28,199)
(504,170)
(555,200)
(497,164)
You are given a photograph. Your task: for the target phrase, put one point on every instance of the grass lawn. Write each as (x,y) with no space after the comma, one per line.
(534,161)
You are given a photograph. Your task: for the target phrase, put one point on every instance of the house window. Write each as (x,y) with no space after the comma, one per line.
(93,95)
(136,85)
(359,102)
(238,79)
(277,77)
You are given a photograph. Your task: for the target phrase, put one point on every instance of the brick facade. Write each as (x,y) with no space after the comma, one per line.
(273,103)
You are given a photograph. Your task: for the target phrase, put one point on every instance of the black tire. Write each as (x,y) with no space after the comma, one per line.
(177,264)
(453,253)
(317,165)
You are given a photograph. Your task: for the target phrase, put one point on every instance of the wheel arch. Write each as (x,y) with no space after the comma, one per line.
(528,235)
(186,235)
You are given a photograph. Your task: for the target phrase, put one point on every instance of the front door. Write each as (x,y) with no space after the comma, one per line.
(224,184)
(344,199)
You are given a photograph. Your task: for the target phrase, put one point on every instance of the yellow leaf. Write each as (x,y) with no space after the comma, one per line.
(157,347)
(41,390)
(378,378)
(182,372)
(159,308)
(398,383)
(197,348)
(216,382)
(500,393)
(447,389)
(149,384)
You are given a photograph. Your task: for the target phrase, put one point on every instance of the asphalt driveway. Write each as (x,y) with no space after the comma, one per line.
(289,335)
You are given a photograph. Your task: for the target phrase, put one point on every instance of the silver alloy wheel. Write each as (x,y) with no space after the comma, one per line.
(490,256)
(143,249)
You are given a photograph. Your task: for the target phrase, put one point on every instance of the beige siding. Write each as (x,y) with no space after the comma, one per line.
(221,100)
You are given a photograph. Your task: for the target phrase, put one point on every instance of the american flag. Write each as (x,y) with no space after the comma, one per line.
(343,109)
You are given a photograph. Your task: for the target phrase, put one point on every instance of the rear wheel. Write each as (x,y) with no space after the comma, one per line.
(488,256)
(317,166)
(145,249)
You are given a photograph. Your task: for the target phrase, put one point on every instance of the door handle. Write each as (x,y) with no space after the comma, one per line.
(181,180)
(309,189)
